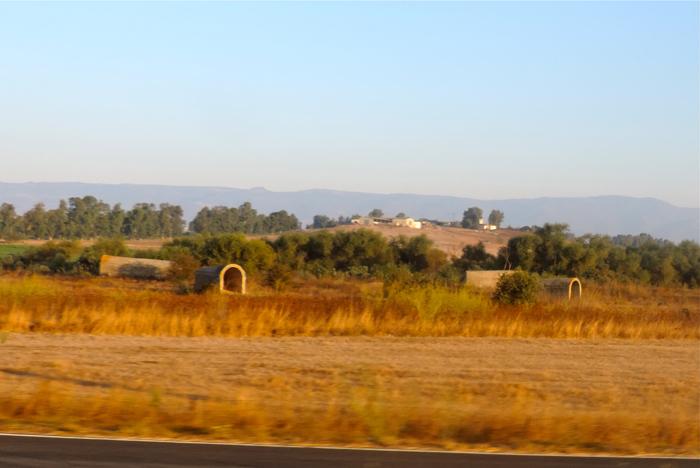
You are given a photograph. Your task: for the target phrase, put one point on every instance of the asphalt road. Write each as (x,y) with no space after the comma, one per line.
(44,452)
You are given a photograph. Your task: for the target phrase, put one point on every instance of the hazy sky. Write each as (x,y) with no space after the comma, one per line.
(492,100)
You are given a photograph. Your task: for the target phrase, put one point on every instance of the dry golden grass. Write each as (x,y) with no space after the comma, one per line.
(621,396)
(105,307)
(354,364)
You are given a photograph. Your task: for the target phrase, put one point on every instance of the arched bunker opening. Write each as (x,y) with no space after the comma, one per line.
(232,279)
(565,288)
(575,289)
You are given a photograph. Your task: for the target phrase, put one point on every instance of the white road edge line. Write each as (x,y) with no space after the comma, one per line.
(325,447)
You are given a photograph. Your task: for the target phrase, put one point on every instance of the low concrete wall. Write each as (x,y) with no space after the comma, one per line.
(485,278)
(128,267)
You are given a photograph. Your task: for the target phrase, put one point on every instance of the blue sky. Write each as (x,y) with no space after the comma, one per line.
(488,100)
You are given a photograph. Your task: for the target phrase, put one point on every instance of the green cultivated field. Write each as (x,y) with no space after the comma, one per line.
(11,249)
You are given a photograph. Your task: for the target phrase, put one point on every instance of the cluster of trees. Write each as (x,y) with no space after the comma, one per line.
(244,219)
(361,253)
(88,217)
(549,250)
(552,250)
(472,217)
(323,221)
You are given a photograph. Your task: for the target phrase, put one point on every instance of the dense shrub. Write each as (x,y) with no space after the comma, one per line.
(90,257)
(183,267)
(53,257)
(519,287)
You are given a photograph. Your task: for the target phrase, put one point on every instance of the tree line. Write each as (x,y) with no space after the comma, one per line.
(244,219)
(473,216)
(553,250)
(550,251)
(87,217)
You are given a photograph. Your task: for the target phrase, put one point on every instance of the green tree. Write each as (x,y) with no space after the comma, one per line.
(472,217)
(170,220)
(280,221)
(361,248)
(57,220)
(10,223)
(520,252)
(53,256)
(376,213)
(418,253)
(142,222)
(87,217)
(183,267)
(496,217)
(323,221)
(549,251)
(35,222)
(89,259)
(519,287)
(116,221)
(475,257)
(291,250)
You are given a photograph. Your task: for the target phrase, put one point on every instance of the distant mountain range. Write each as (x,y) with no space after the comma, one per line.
(604,214)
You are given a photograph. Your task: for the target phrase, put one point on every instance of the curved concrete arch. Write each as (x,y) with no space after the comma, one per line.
(575,285)
(232,279)
(564,287)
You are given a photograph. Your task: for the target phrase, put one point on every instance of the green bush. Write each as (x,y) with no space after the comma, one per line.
(90,257)
(183,267)
(519,287)
(54,257)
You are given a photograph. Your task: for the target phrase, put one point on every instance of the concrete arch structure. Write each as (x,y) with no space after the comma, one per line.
(230,278)
(563,287)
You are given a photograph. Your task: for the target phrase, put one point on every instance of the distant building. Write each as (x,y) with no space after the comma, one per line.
(399,222)
(486,226)
(407,222)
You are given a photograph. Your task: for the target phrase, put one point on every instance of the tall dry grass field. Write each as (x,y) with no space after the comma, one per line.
(110,307)
(353,363)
